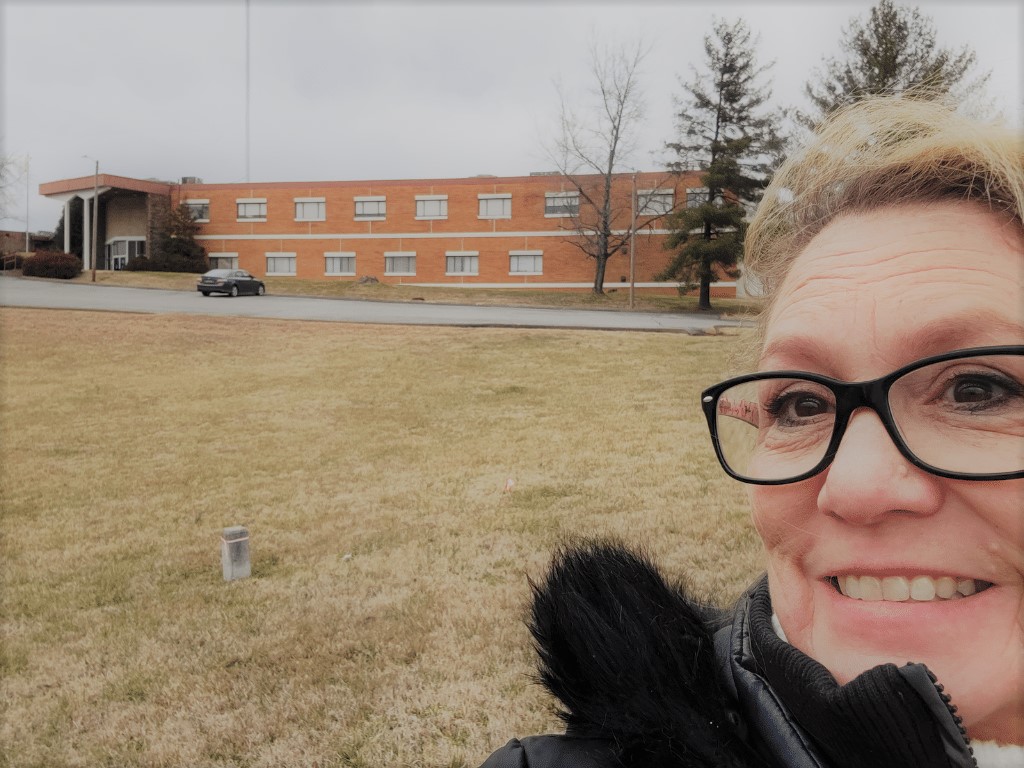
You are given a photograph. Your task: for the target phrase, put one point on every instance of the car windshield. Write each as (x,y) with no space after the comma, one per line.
(218,273)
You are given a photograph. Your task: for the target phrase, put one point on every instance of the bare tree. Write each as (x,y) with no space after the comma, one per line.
(594,147)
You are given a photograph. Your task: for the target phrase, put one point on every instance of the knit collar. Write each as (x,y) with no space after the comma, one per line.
(888,717)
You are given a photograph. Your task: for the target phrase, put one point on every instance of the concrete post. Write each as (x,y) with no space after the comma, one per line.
(67,226)
(234,553)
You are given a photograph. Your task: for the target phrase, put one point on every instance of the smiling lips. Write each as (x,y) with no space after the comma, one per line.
(901,589)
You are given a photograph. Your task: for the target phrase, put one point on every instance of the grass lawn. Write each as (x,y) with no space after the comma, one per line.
(383,624)
(616,295)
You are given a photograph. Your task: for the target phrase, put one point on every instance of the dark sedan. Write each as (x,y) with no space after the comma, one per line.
(233,282)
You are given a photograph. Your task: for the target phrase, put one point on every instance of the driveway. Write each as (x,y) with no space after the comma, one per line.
(55,294)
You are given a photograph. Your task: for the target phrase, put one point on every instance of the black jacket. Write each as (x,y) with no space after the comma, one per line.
(648,676)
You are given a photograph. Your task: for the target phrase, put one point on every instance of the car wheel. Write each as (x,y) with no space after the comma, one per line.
(234,290)
(260,290)
(205,293)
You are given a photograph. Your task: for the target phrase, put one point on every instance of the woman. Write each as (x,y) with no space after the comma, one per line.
(883,446)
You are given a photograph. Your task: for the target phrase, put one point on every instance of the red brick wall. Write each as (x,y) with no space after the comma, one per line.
(562,261)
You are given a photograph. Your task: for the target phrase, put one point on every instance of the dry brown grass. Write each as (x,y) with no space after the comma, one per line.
(615,298)
(130,441)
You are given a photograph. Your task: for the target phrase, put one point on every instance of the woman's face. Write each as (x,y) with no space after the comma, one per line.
(871,293)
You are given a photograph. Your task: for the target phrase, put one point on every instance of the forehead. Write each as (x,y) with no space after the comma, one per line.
(883,288)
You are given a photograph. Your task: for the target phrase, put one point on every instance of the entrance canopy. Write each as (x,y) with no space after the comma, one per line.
(88,187)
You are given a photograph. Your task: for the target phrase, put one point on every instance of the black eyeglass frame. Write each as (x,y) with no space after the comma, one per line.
(850,396)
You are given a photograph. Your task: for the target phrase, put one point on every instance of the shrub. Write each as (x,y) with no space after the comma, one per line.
(138,264)
(54,264)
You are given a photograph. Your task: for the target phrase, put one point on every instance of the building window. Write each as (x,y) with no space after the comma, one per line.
(561,204)
(310,209)
(119,252)
(371,208)
(252,209)
(495,206)
(655,202)
(340,263)
(223,260)
(696,196)
(526,262)
(462,263)
(431,206)
(199,210)
(280,263)
(400,263)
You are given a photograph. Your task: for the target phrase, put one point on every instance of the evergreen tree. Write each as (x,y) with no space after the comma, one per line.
(893,52)
(725,128)
(76,228)
(175,248)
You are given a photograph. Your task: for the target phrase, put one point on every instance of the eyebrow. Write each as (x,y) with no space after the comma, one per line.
(959,331)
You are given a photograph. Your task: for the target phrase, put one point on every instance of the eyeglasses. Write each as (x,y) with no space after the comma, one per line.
(957,415)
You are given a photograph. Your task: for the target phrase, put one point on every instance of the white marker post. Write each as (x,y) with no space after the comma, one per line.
(234,553)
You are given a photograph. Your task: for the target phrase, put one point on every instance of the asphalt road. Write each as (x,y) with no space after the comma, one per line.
(56,294)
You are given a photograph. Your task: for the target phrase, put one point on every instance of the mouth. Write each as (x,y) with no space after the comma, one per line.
(903,589)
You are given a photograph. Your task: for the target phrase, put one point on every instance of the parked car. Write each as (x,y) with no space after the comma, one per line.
(233,282)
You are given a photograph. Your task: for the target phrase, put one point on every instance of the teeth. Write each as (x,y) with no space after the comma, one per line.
(901,589)
(922,588)
(895,589)
(966,587)
(945,587)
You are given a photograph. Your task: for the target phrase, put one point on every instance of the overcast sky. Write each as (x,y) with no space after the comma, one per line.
(378,90)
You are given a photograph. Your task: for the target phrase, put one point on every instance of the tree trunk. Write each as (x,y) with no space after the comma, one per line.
(705,293)
(599,275)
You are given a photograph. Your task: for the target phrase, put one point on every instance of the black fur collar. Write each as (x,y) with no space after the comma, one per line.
(631,659)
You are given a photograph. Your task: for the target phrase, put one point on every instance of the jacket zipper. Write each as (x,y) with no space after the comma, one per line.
(957,720)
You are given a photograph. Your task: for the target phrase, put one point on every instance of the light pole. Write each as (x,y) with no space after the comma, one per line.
(95,211)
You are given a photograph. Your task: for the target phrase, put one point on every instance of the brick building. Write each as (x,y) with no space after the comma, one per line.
(482,231)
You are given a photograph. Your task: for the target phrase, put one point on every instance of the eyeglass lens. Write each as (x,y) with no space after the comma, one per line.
(962,416)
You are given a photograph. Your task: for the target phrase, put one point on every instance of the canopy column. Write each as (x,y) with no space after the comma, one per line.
(67,226)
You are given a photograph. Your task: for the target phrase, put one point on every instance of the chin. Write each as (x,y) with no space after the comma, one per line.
(973,645)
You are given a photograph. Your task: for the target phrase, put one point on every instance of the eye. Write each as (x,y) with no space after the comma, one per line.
(975,390)
(795,408)
(805,406)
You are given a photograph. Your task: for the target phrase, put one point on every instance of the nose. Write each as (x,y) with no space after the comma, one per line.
(869,479)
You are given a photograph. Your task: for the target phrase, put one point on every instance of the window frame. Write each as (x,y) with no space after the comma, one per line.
(535,254)
(443,199)
(364,199)
(321,202)
(259,201)
(279,255)
(400,255)
(328,255)
(472,256)
(232,255)
(696,202)
(190,203)
(486,198)
(644,198)
(561,196)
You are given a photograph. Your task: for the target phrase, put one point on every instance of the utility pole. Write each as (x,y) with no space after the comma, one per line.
(28,187)
(632,238)
(247,46)
(95,215)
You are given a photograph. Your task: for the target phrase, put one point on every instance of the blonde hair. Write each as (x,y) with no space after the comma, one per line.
(878,153)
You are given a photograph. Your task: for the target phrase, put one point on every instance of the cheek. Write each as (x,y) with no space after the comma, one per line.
(998,505)
(784,514)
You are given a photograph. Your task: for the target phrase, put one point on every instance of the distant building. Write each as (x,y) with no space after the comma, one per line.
(14,242)
(483,231)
